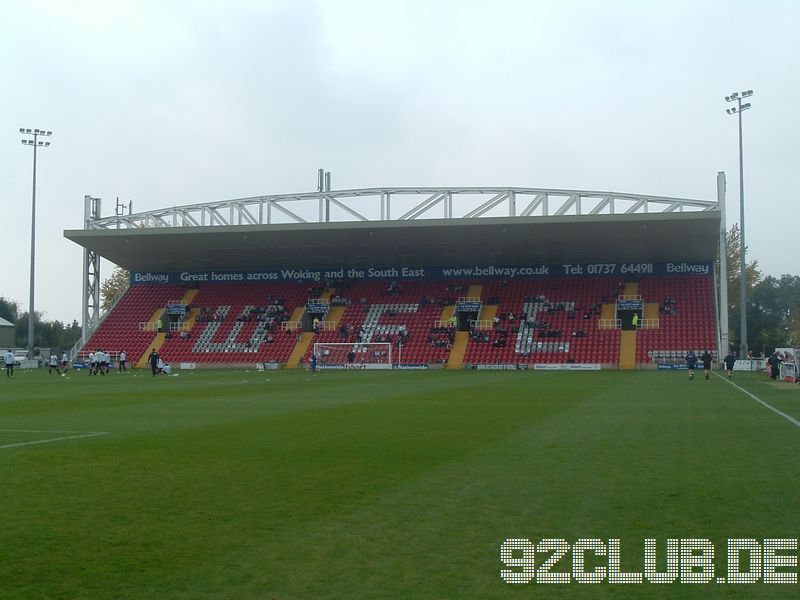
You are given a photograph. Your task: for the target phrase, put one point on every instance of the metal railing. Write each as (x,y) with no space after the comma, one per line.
(649,323)
(291,325)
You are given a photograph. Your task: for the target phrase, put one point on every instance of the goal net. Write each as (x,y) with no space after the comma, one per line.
(374,355)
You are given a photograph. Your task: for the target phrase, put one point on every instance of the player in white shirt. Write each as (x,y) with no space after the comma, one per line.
(9,359)
(102,362)
(53,364)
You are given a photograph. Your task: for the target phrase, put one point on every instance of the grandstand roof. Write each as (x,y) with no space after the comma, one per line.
(673,236)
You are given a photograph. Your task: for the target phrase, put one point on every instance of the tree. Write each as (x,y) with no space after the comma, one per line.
(112,287)
(47,334)
(8,310)
(776,304)
(765,316)
(733,256)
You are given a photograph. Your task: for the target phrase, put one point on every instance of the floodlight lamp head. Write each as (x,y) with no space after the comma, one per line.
(22,130)
(28,131)
(47,144)
(745,106)
(734,95)
(49,133)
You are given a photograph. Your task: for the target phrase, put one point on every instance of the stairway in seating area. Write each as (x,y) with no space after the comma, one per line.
(459,348)
(488,312)
(193,312)
(456,358)
(335,315)
(447,312)
(157,342)
(627,341)
(160,338)
(299,350)
(608,311)
(627,350)
(474,291)
(297,313)
(651,311)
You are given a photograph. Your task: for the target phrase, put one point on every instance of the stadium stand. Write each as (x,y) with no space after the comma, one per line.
(685,314)
(238,324)
(519,321)
(546,321)
(383,311)
(121,330)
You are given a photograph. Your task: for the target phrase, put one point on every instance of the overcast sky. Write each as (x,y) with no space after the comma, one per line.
(168,103)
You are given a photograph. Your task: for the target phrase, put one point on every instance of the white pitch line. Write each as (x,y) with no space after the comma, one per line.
(42,431)
(68,437)
(789,418)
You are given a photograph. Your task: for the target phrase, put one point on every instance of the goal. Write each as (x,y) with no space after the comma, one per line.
(374,355)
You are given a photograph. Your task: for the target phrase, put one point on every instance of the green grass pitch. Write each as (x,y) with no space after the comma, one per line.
(379,484)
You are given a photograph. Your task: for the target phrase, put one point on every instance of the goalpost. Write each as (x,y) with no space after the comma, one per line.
(373,355)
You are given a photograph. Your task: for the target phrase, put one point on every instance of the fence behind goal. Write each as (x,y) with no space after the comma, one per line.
(373,355)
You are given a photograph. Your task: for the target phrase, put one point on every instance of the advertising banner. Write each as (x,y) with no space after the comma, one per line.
(420,273)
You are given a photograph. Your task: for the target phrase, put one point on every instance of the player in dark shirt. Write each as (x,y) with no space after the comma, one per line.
(154,361)
(706,358)
(691,361)
(730,360)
